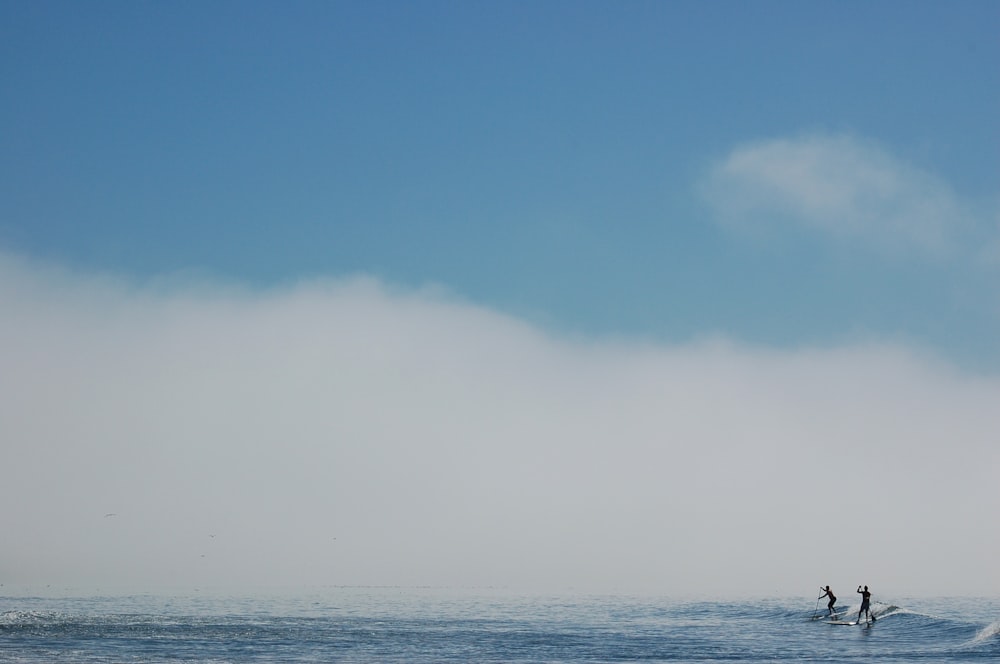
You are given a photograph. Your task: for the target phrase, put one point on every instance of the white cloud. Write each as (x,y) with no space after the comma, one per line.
(846,187)
(342,433)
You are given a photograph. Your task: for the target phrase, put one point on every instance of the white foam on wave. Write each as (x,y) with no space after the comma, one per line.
(18,618)
(991,631)
(880,610)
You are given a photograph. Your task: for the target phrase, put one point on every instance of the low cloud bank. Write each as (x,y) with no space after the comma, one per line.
(342,432)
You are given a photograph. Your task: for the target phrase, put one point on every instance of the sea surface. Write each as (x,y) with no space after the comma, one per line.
(434,625)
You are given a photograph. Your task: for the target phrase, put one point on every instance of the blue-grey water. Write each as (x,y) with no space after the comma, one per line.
(431,625)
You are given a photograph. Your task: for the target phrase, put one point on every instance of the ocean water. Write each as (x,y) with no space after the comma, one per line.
(433,625)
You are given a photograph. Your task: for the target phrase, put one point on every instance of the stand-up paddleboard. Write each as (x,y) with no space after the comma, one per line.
(829,617)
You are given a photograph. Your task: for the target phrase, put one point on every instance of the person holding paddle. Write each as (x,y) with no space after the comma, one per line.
(833,598)
(865,603)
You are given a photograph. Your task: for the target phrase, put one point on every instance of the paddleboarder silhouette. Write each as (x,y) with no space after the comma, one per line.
(865,603)
(833,598)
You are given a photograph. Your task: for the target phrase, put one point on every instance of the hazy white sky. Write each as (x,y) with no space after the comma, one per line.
(340,432)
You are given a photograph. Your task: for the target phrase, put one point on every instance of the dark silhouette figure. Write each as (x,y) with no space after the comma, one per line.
(865,604)
(833,599)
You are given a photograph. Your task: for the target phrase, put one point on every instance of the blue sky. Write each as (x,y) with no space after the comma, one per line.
(531,295)
(543,158)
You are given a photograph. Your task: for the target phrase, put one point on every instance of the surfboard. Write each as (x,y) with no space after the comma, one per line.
(829,617)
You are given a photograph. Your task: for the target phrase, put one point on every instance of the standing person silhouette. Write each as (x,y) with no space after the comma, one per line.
(865,604)
(833,599)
